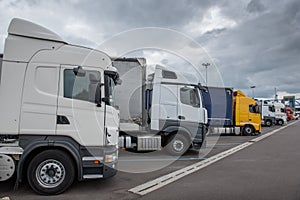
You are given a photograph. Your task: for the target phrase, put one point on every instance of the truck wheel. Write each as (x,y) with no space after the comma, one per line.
(280,122)
(248,130)
(178,145)
(268,123)
(51,172)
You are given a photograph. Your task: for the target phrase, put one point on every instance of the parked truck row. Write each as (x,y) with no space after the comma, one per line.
(231,112)
(64,112)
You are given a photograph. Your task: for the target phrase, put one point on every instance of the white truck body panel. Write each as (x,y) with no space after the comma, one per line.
(130,93)
(280,112)
(56,103)
(165,104)
(36,66)
(22,27)
(166,100)
(11,93)
(266,112)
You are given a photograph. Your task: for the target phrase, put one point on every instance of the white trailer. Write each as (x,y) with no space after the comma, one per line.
(57,120)
(160,110)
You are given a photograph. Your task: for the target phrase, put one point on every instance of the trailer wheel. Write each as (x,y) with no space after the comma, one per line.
(268,123)
(51,172)
(248,130)
(178,145)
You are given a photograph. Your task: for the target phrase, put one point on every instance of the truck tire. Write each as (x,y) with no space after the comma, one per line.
(178,145)
(51,172)
(248,130)
(280,122)
(268,123)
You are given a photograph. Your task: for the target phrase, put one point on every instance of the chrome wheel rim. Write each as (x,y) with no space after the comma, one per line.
(178,145)
(50,173)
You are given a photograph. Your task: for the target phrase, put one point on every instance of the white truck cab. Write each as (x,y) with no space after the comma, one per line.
(161,111)
(280,113)
(57,120)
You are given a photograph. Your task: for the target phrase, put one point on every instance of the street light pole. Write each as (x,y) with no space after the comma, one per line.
(206,65)
(252,87)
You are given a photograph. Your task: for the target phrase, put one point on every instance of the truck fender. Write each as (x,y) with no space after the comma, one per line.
(168,130)
(49,145)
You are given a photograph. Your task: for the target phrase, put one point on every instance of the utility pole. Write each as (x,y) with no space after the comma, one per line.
(206,65)
(276,96)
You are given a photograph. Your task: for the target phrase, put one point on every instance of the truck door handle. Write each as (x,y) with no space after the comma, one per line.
(181,117)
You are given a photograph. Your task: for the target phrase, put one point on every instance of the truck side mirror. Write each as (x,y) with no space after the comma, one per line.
(105,100)
(98,95)
(118,82)
(78,71)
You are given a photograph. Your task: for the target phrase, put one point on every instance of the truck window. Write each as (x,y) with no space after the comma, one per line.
(253,108)
(271,108)
(189,96)
(81,87)
(169,74)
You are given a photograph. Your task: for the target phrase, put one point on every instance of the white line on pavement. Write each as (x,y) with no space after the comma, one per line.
(169,178)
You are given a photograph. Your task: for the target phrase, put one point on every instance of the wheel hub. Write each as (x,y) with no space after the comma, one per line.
(248,130)
(50,173)
(178,145)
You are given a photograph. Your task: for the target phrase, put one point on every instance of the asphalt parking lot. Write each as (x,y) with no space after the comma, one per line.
(136,170)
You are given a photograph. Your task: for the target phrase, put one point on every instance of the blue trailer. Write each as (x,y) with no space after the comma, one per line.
(219,105)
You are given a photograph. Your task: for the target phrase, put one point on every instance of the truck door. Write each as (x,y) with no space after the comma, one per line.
(255,116)
(189,107)
(168,102)
(78,114)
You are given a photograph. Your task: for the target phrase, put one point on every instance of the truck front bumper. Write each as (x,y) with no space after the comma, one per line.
(99,162)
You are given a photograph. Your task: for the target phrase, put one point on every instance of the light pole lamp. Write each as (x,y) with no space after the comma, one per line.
(206,65)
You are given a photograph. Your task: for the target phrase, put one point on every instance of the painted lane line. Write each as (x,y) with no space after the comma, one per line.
(169,178)
(224,144)
(159,159)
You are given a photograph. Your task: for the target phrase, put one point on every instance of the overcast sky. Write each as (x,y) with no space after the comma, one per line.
(252,42)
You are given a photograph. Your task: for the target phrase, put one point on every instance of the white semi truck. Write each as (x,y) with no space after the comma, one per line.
(158,111)
(57,119)
(267,113)
(280,113)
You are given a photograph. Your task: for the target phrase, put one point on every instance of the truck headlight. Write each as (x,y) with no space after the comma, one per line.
(110,158)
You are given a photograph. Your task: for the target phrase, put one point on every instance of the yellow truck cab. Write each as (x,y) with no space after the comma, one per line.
(246,114)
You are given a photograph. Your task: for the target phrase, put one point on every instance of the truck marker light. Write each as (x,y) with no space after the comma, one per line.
(96,162)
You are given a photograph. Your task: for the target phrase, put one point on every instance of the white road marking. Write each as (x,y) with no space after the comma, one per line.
(169,178)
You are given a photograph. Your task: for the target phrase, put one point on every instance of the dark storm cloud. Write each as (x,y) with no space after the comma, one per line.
(253,42)
(263,50)
(255,6)
(143,13)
